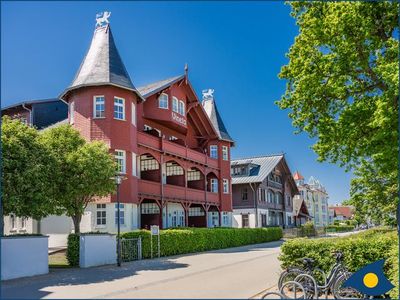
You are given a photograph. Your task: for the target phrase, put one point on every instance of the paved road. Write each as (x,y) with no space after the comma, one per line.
(231,273)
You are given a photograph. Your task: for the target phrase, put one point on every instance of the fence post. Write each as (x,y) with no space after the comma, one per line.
(139,248)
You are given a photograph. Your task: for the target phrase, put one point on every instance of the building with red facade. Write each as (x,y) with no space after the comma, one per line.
(173,149)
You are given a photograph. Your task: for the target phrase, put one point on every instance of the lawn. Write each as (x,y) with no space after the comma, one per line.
(58,260)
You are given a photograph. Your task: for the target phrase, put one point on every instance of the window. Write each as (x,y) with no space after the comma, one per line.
(270,196)
(175,105)
(193,175)
(163,101)
(13,222)
(23,223)
(288,200)
(244,194)
(278,198)
(134,166)
(121,213)
(245,221)
(72,112)
(120,158)
(214,185)
(226,186)
(133,114)
(101,214)
(263,220)
(225,155)
(148,162)
(214,151)
(119,108)
(196,212)
(99,107)
(173,169)
(181,108)
(149,208)
(225,219)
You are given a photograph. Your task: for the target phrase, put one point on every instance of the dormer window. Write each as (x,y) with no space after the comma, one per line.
(163,101)
(175,105)
(181,108)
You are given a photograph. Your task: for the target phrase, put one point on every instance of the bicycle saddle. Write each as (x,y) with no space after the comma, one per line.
(307,261)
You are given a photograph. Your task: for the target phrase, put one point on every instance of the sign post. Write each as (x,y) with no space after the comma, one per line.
(154,230)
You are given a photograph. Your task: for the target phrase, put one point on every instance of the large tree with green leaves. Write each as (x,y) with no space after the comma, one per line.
(83,171)
(27,166)
(343,89)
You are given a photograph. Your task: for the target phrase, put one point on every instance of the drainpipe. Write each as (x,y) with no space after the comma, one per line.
(30,114)
(255,202)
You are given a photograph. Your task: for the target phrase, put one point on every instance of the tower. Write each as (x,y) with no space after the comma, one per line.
(102,104)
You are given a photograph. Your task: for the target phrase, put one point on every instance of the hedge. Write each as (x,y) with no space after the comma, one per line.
(359,250)
(339,228)
(189,240)
(73,249)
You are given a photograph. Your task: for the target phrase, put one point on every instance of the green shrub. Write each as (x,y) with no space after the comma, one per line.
(308,229)
(73,249)
(359,250)
(189,240)
(339,228)
(392,265)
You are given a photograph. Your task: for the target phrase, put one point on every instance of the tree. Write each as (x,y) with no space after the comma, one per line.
(83,170)
(342,89)
(26,172)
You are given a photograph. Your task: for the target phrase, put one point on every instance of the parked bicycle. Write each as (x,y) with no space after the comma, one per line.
(322,284)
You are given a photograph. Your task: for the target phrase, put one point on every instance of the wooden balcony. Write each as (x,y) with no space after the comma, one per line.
(172,148)
(174,192)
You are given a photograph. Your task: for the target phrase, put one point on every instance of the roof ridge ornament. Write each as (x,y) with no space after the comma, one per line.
(102,19)
(208,94)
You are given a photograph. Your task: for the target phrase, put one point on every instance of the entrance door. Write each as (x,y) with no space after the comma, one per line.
(245,221)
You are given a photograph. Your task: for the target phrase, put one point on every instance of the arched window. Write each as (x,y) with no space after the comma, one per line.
(181,108)
(163,101)
(175,105)
(271,196)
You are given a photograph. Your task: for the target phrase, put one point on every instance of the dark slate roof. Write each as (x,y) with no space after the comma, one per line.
(155,87)
(30,102)
(261,167)
(59,123)
(212,111)
(102,64)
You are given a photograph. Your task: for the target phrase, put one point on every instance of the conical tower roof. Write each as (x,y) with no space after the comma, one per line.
(211,109)
(102,65)
(297,176)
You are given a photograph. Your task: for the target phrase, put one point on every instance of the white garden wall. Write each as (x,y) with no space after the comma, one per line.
(24,256)
(97,250)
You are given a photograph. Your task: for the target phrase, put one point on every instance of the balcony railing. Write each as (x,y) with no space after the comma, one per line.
(177,192)
(175,149)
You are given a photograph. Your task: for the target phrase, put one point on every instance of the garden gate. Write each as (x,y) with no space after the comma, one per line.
(131,249)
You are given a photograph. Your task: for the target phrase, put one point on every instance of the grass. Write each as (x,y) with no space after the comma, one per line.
(58,260)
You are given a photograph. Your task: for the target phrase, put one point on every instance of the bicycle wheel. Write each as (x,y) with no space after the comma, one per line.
(289,275)
(341,292)
(293,290)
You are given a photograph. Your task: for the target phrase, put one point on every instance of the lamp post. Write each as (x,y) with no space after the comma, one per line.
(118,180)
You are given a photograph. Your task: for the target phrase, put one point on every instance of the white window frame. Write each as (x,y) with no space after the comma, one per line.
(121,213)
(212,149)
(120,155)
(117,104)
(101,112)
(225,154)
(101,207)
(23,223)
(175,105)
(181,108)
(164,101)
(134,164)
(133,114)
(72,112)
(226,186)
(13,222)
(214,185)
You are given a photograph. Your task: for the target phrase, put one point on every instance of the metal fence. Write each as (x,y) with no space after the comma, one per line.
(131,249)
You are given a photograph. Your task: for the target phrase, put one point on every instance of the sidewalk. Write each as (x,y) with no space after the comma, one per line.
(228,273)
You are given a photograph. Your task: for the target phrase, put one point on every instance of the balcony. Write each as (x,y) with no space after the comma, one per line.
(175,192)
(172,148)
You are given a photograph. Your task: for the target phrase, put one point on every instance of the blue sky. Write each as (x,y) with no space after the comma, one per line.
(236,48)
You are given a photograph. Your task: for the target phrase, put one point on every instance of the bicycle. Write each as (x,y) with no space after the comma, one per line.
(332,283)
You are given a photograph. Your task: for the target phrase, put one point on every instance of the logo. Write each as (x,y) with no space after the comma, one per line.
(102,19)
(370,280)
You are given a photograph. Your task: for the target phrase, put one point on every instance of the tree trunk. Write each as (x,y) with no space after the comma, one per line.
(77,222)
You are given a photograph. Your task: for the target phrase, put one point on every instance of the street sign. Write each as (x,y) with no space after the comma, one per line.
(155,229)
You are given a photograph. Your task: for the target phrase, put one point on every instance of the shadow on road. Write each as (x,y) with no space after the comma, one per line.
(35,287)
